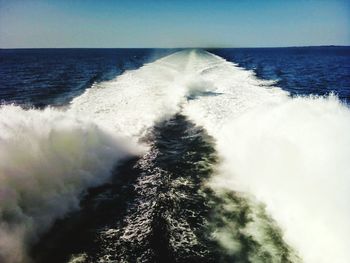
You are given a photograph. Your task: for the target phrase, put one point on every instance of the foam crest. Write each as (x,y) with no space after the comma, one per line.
(289,153)
(293,157)
(47,160)
(133,102)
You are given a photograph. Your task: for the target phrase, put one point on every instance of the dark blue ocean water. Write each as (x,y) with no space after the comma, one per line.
(300,70)
(40,77)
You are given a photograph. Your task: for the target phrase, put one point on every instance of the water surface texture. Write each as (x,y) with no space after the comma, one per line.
(157,155)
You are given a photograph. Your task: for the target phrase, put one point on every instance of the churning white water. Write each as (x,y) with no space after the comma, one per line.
(47,159)
(289,153)
(292,154)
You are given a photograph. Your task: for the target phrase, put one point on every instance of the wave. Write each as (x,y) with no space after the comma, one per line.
(50,157)
(289,154)
(293,157)
(134,101)
(47,160)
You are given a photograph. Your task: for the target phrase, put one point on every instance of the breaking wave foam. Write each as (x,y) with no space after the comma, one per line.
(293,156)
(288,153)
(133,102)
(47,160)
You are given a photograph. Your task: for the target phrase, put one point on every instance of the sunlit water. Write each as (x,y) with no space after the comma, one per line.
(142,156)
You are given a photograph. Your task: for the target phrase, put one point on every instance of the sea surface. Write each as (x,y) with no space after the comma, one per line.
(175,155)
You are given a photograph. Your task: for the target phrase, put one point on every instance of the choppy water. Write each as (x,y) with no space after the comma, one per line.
(149,157)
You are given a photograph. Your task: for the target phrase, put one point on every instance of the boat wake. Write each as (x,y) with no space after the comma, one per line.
(229,168)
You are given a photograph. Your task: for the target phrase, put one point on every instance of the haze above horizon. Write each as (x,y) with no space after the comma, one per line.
(173,24)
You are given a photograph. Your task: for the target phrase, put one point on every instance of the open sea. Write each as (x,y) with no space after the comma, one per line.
(175,155)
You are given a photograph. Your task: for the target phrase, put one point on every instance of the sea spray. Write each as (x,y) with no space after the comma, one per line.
(233,105)
(290,153)
(47,160)
(287,153)
(293,157)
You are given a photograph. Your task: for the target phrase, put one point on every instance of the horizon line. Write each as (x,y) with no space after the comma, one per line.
(198,47)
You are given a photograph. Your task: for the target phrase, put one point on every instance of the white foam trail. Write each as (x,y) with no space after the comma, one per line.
(47,159)
(290,153)
(133,102)
(293,156)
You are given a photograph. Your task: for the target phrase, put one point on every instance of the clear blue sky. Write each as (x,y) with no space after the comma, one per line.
(166,23)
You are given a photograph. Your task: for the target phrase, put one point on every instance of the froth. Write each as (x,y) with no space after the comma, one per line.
(47,159)
(290,153)
(293,157)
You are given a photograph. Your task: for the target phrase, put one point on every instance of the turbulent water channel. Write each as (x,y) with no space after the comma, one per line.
(157,208)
